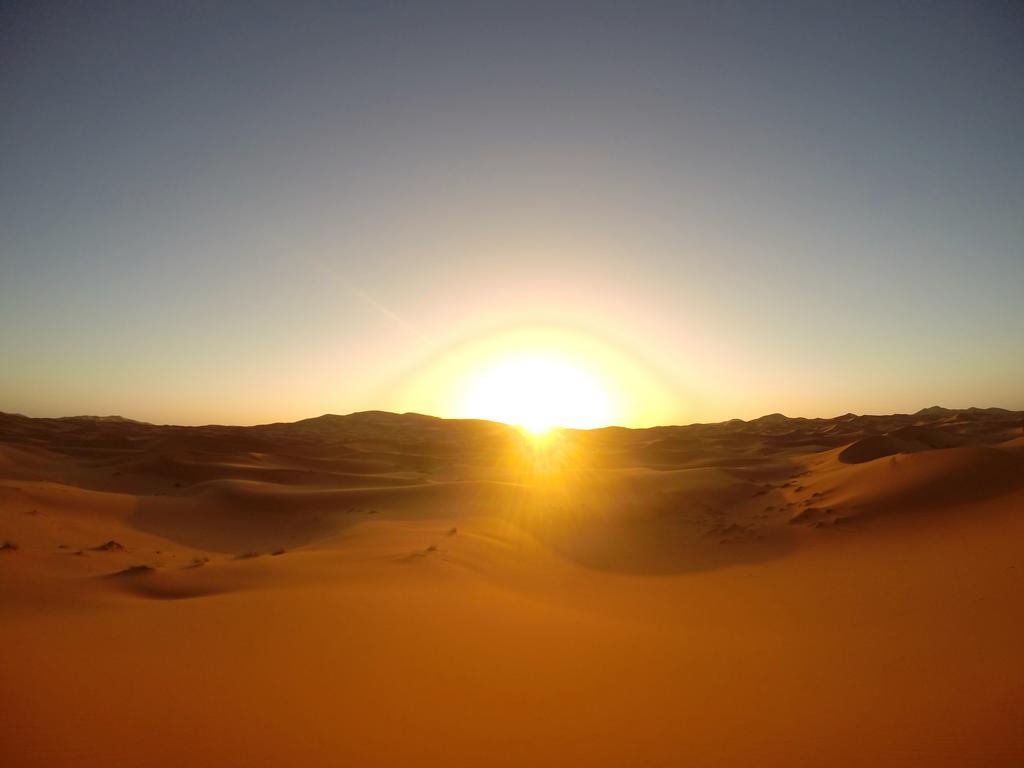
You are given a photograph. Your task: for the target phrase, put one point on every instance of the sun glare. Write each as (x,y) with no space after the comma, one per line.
(538,392)
(537,378)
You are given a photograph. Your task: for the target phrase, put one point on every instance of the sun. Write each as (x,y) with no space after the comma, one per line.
(538,377)
(538,392)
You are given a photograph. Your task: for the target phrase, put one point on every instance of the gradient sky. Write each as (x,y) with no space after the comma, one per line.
(245,212)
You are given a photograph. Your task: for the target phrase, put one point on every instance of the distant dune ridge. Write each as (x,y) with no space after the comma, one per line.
(384,589)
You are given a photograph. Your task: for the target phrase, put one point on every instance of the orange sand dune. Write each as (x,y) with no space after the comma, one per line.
(400,590)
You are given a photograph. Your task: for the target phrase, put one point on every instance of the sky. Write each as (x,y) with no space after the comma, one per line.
(243,212)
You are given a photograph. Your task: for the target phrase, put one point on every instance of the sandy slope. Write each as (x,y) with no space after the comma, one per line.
(780,592)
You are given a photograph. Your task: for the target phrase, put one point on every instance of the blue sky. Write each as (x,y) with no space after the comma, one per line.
(247,212)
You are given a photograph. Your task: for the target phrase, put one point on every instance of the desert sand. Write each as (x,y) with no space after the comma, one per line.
(401,590)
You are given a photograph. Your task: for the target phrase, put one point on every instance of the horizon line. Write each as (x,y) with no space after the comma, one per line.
(116,418)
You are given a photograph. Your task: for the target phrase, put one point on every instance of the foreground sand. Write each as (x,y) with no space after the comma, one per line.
(780,592)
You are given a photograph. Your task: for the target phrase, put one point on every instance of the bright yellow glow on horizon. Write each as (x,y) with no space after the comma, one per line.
(538,378)
(538,392)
